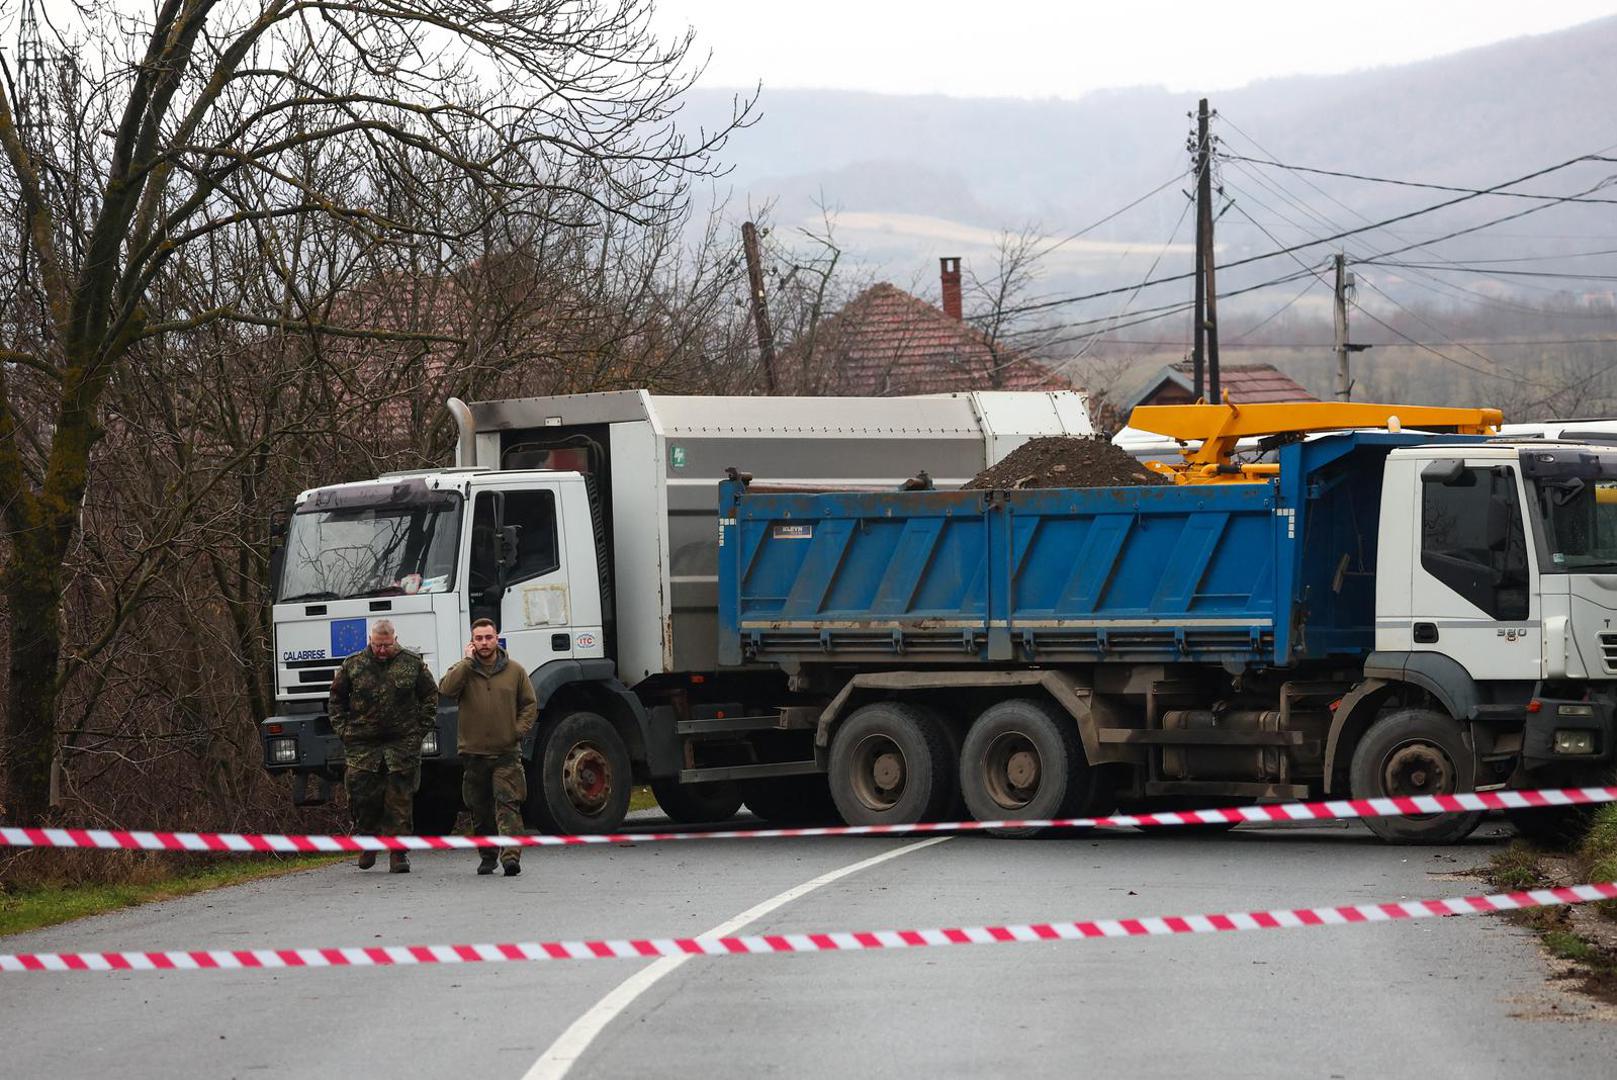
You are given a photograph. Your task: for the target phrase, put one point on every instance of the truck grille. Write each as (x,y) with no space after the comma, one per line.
(308,678)
(1608,650)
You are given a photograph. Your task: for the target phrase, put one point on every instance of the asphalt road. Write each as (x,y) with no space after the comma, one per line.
(1435,998)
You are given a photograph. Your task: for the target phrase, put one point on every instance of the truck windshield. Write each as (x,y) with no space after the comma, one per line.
(371,551)
(1580,522)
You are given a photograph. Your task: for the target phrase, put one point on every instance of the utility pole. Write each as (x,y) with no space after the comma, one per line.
(1207,287)
(1198,340)
(1212,319)
(760,310)
(32,90)
(1344,293)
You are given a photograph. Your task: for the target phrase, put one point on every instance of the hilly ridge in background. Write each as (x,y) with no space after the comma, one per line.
(1471,119)
(911,178)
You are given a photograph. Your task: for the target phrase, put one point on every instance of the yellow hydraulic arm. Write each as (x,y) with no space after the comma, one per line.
(1219,427)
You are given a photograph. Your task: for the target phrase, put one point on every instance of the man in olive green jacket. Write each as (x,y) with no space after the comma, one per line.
(497,710)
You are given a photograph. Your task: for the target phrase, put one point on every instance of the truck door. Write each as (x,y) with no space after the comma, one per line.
(518,573)
(1472,596)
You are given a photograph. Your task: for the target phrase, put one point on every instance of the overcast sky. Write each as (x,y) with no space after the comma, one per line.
(1066,48)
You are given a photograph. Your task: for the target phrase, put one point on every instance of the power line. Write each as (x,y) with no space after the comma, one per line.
(1281,310)
(1546,258)
(1118,213)
(1172,236)
(1459,269)
(1242,211)
(1488,224)
(1114,214)
(1501,344)
(1442,287)
(1428,348)
(1420,184)
(1165,309)
(1046,304)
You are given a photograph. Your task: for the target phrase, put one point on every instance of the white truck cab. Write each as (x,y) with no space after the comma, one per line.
(432,552)
(392,548)
(1496,597)
(1502,557)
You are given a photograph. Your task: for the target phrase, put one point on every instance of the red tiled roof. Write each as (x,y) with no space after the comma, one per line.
(1254,383)
(886,342)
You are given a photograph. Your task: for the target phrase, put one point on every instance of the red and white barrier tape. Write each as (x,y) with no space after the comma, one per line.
(637,948)
(14,836)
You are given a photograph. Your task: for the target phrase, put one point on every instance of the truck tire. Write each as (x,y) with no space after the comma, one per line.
(791,800)
(580,777)
(697,804)
(891,765)
(1415,752)
(1022,759)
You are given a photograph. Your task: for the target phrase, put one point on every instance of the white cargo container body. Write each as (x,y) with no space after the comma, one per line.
(655,461)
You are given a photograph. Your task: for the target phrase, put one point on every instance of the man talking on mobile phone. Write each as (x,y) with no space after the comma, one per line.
(497,710)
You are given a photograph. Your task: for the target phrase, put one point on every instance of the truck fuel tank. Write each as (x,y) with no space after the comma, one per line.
(1240,744)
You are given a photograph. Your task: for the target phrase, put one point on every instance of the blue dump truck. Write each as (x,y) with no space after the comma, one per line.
(1369,613)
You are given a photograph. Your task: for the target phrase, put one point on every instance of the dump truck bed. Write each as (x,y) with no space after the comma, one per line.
(1255,574)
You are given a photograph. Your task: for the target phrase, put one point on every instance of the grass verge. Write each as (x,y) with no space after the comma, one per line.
(641,798)
(1584,936)
(32,907)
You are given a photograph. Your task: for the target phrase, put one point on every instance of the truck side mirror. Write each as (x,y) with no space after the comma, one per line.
(505,550)
(1443,471)
(280,521)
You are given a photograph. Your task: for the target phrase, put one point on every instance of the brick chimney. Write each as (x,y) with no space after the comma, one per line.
(951,287)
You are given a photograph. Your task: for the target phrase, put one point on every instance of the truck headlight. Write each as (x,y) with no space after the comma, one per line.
(283,751)
(429,745)
(1573,741)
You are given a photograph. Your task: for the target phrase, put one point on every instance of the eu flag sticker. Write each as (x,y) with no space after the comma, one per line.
(347,637)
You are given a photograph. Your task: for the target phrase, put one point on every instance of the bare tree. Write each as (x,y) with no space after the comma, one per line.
(258,165)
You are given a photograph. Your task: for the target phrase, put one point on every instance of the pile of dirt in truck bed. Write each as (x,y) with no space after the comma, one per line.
(1062,461)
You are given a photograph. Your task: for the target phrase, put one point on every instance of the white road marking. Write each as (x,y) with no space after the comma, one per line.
(558,1060)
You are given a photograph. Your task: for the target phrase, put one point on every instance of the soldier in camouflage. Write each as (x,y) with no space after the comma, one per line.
(383,702)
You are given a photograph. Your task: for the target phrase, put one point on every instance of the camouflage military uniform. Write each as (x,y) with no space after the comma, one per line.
(495,787)
(381,709)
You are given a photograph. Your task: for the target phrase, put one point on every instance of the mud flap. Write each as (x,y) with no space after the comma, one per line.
(300,790)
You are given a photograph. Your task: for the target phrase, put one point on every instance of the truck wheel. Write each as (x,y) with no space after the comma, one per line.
(697,804)
(790,800)
(1415,752)
(891,764)
(580,778)
(1022,759)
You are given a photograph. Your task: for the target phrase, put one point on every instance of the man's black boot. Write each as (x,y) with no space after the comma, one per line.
(489,861)
(512,869)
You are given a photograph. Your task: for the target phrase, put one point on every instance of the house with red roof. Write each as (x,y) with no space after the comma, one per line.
(887,342)
(1246,384)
